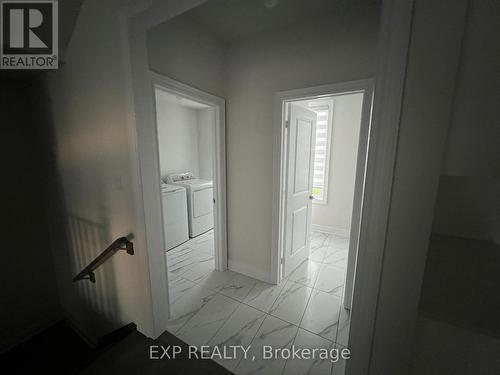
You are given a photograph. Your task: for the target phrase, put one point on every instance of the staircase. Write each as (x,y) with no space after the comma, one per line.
(59,350)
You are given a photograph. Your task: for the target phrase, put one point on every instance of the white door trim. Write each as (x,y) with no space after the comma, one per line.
(136,20)
(394,43)
(279,153)
(219,162)
(357,204)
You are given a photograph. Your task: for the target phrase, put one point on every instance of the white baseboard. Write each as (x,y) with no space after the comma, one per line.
(330,230)
(248,270)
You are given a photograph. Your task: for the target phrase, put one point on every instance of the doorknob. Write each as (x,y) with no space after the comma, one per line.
(311,197)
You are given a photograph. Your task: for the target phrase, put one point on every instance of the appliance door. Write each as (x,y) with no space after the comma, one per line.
(203,202)
(175,218)
(202,211)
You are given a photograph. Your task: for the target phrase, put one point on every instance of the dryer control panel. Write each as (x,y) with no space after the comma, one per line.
(175,177)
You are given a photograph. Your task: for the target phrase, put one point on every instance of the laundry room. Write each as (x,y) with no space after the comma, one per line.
(185,137)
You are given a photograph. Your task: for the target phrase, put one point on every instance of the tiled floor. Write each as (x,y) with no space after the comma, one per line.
(227,308)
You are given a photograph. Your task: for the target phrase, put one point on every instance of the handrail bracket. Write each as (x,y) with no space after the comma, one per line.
(122,243)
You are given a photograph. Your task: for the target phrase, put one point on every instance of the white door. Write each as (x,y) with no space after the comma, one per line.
(301,127)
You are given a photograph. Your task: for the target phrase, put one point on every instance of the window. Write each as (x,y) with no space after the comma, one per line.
(324,110)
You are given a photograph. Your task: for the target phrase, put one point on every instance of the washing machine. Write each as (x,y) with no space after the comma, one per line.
(200,201)
(175,215)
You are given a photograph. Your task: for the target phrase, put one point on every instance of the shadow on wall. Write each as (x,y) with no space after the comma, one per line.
(28,291)
(87,239)
(460,284)
(469,207)
(75,242)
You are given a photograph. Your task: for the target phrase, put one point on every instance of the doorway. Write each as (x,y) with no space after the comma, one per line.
(190,134)
(320,159)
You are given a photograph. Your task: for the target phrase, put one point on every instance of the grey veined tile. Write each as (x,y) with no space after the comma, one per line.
(217,279)
(206,322)
(305,273)
(318,239)
(238,287)
(322,315)
(291,302)
(201,269)
(330,279)
(204,243)
(318,363)
(186,299)
(180,260)
(318,254)
(273,333)
(178,287)
(179,250)
(239,329)
(336,257)
(262,296)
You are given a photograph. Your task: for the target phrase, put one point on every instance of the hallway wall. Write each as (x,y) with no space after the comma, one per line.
(184,51)
(92,148)
(334,48)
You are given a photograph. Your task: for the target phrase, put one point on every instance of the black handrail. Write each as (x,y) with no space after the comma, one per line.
(122,243)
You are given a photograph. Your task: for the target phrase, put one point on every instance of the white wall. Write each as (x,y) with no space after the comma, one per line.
(182,50)
(206,118)
(177,136)
(185,137)
(90,117)
(336,214)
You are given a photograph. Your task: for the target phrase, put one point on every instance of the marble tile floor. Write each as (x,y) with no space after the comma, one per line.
(226,308)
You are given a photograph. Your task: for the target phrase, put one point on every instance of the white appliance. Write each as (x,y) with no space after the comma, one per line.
(200,201)
(175,217)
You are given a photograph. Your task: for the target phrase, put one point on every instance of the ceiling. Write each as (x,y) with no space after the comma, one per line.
(232,20)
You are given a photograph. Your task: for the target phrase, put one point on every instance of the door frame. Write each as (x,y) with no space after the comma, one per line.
(135,21)
(218,105)
(281,99)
